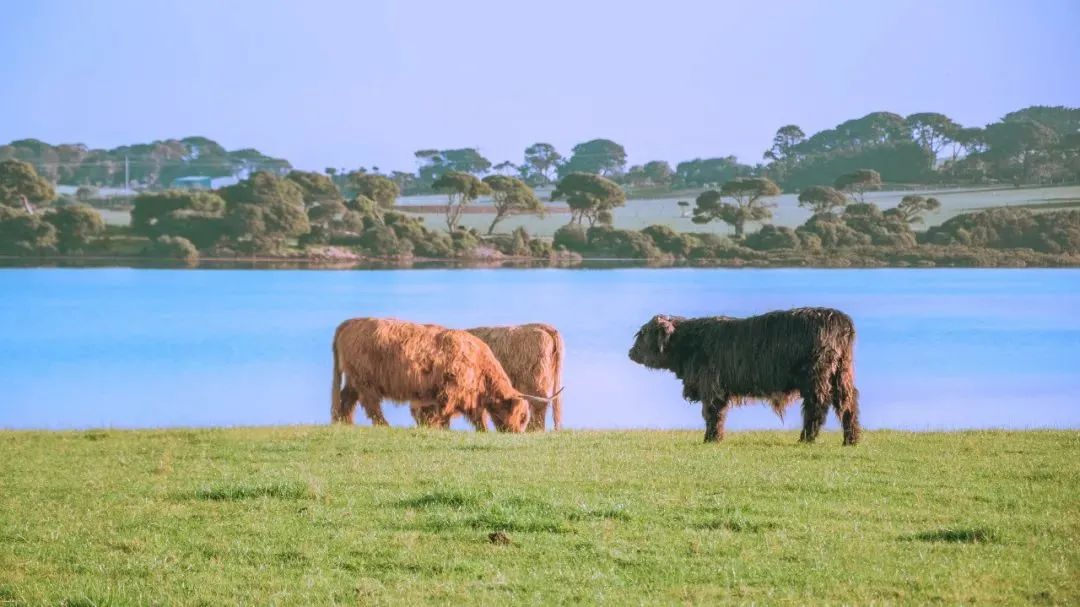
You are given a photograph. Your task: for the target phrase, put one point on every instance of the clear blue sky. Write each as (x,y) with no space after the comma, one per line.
(364,82)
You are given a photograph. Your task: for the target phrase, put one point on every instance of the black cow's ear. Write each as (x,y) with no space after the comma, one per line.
(664,328)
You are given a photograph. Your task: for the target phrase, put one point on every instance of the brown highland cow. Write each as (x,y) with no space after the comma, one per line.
(404,361)
(532,356)
(776,357)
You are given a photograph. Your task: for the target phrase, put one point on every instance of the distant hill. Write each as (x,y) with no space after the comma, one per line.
(154,164)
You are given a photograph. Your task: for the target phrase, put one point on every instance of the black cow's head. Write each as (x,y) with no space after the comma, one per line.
(651,344)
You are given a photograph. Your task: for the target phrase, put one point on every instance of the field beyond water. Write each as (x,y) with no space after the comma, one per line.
(323,515)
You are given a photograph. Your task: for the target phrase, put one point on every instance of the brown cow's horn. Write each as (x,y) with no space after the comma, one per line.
(541,399)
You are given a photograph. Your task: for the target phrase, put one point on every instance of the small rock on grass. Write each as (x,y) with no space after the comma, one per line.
(499,538)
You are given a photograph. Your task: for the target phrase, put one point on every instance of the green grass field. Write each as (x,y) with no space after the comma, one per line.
(332,515)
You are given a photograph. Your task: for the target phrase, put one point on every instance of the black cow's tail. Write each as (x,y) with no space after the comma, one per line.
(845,394)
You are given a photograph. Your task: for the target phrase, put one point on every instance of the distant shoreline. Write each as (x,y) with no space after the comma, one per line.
(941,257)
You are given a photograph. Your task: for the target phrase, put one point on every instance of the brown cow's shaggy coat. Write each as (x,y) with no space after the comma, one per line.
(776,357)
(404,361)
(532,356)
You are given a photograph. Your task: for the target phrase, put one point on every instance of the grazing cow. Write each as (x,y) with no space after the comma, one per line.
(532,356)
(404,361)
(776,357)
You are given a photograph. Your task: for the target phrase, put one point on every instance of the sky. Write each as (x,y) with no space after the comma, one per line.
(368,82)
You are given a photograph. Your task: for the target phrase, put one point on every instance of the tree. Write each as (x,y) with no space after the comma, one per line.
(436,163)
(875,128)
(787,137)
(315,187)
(589,196)
(506,168)
(633,176)
(541,160)
(932,131)
(21,187)
(1021,143)
(599,156)
(970,141)
(383,190)
(747,203)
(150,208)
(460,189)
(658,172)
(511,195)
(75,226)
(912,208)
(684,207)
(1060,119)
(22,233)
(265,209)
(706,172)
(859,182)
(821,199)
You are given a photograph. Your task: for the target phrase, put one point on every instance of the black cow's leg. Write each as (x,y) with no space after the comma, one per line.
(715,413)
(815,409)
(845,399)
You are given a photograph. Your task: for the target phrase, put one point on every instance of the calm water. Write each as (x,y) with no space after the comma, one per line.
(144,348)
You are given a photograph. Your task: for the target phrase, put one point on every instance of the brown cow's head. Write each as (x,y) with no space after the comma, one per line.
(652,342)
(510,414)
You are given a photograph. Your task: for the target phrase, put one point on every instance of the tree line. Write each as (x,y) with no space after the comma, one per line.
(302,211)
(1038,144)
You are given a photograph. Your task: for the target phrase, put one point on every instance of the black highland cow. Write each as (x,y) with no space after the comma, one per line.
(775,357)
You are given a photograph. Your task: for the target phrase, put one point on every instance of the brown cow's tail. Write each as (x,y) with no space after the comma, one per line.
(335,384)
(845,394)
(556,403)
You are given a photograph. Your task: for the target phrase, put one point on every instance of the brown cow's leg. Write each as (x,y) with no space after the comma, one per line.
(537,417)
(347,404)
(427,415)
(715,413)
(476,417)
(372,405)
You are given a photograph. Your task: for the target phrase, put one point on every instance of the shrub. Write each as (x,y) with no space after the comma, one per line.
(75,225)
(1054,232)
(671,242)
(627,244)
(380,240)
(202,229)
(172,247)
(465,242)
(571,237)
(770,237)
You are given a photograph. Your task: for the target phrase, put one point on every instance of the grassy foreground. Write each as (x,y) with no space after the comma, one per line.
(325,515)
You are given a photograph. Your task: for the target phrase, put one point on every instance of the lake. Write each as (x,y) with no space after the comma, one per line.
(936,349)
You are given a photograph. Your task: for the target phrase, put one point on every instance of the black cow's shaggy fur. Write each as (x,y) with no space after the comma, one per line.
(776,357)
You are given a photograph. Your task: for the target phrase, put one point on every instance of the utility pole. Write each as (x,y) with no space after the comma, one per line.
(127,175)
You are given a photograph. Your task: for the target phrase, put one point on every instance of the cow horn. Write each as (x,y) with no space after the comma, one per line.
(541,399)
